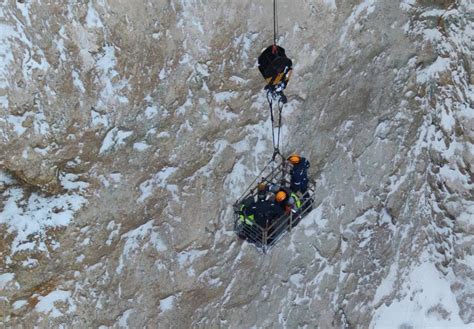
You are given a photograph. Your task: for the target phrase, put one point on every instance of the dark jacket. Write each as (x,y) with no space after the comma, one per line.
(299,176)
(287,206)
(265,211)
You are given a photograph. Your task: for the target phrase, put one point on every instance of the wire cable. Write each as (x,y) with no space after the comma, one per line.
(274,23)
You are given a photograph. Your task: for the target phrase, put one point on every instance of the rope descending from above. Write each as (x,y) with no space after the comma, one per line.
(275,139)
(274,26)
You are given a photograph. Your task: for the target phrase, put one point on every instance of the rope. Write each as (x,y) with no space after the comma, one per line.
(280,108)
(275,141)
(274,23)
(270,104)
(276,145)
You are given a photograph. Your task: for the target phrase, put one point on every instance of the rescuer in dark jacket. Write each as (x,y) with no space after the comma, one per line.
(299,179)
(288,201)
(299,173)
(265,210)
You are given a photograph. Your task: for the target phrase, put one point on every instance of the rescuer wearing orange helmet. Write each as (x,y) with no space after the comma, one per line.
(298,173)
(288,200)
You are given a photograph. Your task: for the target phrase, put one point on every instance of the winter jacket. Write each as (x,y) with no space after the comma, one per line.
(266,211)
(246,216)
(299,176)
(292,203)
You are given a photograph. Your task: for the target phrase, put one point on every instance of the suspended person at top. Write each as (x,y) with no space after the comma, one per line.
(276,70)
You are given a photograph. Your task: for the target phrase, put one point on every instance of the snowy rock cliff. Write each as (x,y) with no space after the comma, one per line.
(129,128)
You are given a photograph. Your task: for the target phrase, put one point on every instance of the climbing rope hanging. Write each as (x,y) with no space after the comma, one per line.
(274,27)
(271,95)
(276,130)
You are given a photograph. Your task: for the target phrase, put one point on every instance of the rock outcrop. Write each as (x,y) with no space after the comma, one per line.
(129,129)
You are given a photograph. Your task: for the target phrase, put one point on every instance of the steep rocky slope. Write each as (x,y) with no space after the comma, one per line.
(129,128)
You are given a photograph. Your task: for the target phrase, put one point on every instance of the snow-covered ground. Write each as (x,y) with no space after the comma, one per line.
(29,215)
(425,301)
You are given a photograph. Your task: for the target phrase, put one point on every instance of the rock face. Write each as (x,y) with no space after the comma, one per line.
(129,128)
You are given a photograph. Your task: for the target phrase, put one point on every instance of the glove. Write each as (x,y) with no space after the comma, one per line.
(273,188)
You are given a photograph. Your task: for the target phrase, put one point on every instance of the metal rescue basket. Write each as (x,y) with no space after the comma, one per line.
(264,238)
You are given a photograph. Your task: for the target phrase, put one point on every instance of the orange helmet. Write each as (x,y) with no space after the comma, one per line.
(294,158)
(280,196)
